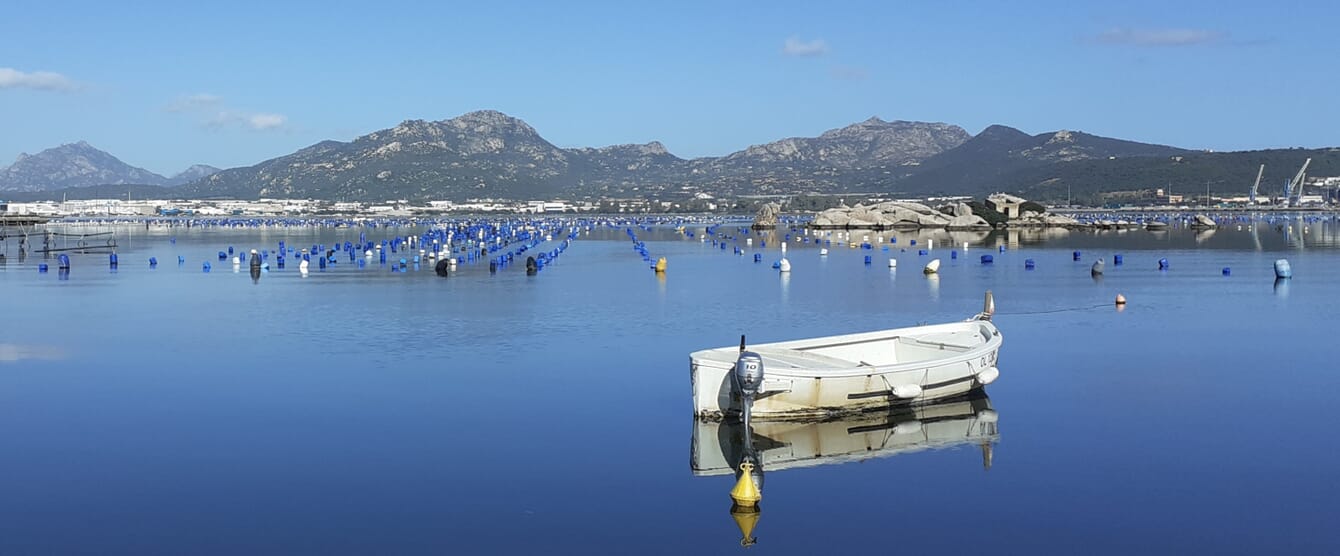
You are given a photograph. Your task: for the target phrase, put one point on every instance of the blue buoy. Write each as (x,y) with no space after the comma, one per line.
(42,268)
(922,252)
(1002,249)
(223,256)
(205,267)
(1116,260)
(1163,264)
(1029,264)
(867,259)
(1075,255)
(987,259)
(153,262)
(758,257)
(912,242)
(181,260)
(1227,271)
(953,254)
(63,262)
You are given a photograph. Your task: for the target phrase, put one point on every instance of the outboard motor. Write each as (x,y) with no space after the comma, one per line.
(255,262)
(748,379)
(531,266)
(442,267)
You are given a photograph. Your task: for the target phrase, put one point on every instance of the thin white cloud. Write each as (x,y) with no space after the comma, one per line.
(261,122)
(11,78)
(1160,37)
(196,101)
(215,114)
(796,47)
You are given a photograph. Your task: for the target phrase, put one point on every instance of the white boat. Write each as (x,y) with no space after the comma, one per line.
(823,377)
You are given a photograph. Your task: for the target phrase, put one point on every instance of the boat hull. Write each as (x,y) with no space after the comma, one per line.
(838,375)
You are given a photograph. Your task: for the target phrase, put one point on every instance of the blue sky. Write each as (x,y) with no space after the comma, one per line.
(167,85)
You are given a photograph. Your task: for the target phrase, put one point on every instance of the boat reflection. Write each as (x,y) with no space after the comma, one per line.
(720,447)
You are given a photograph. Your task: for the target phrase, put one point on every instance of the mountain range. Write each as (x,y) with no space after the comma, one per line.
(81,165)
(488,154)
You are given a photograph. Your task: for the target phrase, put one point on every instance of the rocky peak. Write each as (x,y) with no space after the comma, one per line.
(1062,136)
(491,122)
(195,172)
(72,165)
(654,148)
(997,131)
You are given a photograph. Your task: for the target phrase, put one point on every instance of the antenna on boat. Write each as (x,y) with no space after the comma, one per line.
(988,306)
(742,343)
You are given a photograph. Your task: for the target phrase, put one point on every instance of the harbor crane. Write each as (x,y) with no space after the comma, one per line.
(1295,188)
(1255,186)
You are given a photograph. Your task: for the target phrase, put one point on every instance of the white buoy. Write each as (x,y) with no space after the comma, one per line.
(930,244)
(749,241)
(783,248)
(236,260)
(784,266)
(965,247)
(823,252)
(893,263)
(932,267)
(367,254)
(302,266)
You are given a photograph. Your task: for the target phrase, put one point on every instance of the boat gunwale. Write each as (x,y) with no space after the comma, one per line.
(857,370)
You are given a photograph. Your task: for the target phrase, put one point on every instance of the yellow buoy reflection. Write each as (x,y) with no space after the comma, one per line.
(746,518)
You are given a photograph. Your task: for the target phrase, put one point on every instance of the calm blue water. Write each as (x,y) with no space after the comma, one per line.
(359,411)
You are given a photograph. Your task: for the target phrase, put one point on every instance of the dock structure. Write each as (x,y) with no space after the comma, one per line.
(19,220)
(25,228)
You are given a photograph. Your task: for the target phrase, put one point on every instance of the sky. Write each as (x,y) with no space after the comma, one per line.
(166,85)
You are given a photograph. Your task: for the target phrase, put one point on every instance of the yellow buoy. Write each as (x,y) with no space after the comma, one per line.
(746,493)
(746,518)
(660,264)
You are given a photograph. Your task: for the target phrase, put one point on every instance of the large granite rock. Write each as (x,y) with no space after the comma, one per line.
(968,222)
(767,216)
(888,214)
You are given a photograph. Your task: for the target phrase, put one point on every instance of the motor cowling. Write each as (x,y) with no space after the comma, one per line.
(749,374)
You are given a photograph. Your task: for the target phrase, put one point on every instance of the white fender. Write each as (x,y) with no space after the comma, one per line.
(907,391)
(988,375)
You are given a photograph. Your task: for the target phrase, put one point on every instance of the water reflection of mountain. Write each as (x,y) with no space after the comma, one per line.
(719,447)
